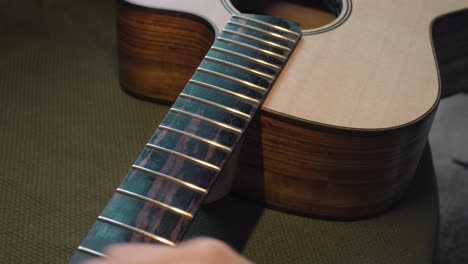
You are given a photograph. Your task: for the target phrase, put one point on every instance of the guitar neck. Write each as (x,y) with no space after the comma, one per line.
(163,190)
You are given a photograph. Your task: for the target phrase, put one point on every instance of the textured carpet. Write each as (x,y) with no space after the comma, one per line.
(68,135)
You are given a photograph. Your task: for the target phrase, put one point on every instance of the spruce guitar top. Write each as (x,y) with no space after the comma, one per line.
(339,135)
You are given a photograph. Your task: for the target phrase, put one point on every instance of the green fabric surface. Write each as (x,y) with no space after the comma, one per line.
(68,135)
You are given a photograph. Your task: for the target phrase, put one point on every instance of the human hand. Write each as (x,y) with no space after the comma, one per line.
(196,251)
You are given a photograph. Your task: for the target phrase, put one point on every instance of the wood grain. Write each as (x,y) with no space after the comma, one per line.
(146,45)
(316,171)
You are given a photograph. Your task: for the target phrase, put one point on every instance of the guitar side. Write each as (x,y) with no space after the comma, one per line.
(294,164)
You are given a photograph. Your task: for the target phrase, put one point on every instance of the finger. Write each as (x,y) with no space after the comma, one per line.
(138,253)
(208,250)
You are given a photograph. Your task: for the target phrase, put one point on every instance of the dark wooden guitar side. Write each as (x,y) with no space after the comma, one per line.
(339,136)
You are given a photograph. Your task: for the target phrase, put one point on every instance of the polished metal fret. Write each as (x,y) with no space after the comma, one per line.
(266,24)
(170,178)
(184,156)
(246,69)
(228,77)
(223,90)
(91,252)
(222,107)
(155,202)
(136,230)
(208,120)
(265,32)
(243,56)
(190,135)
(259,40)
(264,51)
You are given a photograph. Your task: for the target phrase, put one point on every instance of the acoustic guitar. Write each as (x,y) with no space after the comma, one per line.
(351,98)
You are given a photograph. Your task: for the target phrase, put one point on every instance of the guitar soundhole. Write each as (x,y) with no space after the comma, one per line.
(308,14)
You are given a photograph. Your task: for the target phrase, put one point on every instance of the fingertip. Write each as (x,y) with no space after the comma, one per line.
(208,246)
(115,249)
(213,250)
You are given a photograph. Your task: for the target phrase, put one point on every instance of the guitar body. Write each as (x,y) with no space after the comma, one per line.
(343,129)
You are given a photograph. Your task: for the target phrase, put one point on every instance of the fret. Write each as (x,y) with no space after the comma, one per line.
(102,235)
(265,32)
(157,203)
(230,74)
(201,128)
(136,230)
(208,120)
(249,53)
(222,107)
(246,18)
(259,40)
(146,215)
(246,62)
(170,178)
(184,156)
(188,146)
(171,165)
(212,112)
(173,199)
(264,51)
(226,91)
(243,56)
(224,76)
(204,140)
(91,252)
(228,85)
(245,107)
(234,65)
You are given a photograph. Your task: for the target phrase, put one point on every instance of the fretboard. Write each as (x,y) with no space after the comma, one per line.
(157,200)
